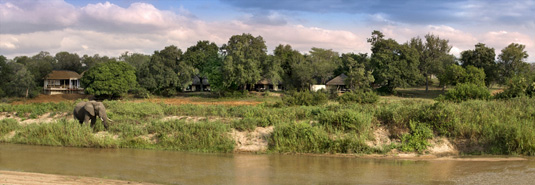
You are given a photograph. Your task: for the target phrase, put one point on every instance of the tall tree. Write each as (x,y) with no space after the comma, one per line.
(394,65)
(204,56)
(358,78)
(288,58)
(243,57)
(481,57)
(40,66)
(512,61)
(433,53)
(68,61)
(89,61)
(324,62)
(109,79)
(20,81)
(165,74)
(4,74)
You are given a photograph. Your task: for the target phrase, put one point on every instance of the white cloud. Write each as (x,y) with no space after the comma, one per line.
(108,29)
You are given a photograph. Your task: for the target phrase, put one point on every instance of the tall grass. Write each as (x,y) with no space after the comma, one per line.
(495,126)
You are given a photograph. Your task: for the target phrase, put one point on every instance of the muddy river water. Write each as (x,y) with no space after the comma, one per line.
(171,167)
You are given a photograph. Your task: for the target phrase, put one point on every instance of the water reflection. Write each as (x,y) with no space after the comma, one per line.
(191,168)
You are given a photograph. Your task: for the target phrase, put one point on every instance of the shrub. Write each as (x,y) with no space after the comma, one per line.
(358,97)
(305,98)
(466,91)
(517,86)
(346,120)
(416,140)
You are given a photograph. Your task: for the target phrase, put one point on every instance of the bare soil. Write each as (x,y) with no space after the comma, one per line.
(11,177)
(43,98)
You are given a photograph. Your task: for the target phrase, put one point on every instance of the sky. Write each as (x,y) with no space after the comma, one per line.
(143,26)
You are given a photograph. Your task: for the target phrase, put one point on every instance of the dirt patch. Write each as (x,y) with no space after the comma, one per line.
(442,146)
(381,138)
(45,118)
(252,141)
(10,177)
(9,135)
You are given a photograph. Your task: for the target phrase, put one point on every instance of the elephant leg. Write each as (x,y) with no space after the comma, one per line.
(86,119)
(93,122)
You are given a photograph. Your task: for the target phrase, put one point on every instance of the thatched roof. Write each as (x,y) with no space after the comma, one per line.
(339,80)
(62,74)
(197,81)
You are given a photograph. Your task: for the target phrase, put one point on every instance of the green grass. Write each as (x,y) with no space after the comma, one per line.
(492,127)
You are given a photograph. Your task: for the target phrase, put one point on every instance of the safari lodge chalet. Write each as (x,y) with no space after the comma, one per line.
(62,82)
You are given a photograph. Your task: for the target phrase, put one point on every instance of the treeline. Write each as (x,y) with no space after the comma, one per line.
(244,60)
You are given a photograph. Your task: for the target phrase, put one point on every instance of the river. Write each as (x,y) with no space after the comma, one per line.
(171,167)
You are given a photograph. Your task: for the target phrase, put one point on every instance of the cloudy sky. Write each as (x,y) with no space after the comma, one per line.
(113,27)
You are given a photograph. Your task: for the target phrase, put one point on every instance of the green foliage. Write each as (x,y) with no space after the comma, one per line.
(62,133)
(110,79)
(306,98)
(394,65)
(201,136)
(518,86)
(466,91)
(346,120)
(512,62)
(304,138)
(434,55)
(358,97)
(242,63)
(481,57)
(416,139)
(68,61)
(8,125)
(166,73)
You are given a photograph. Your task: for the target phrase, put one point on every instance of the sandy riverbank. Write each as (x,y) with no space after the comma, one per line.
(11,177)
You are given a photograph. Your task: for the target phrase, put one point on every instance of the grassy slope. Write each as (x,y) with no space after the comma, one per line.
(496,127)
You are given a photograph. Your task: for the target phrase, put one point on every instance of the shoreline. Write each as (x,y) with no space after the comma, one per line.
(15,177)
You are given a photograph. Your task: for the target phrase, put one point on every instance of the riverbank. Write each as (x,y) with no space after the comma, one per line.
(13,177)
(389,127)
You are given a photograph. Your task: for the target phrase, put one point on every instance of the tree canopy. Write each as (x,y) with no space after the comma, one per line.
(243,58)
(109,79)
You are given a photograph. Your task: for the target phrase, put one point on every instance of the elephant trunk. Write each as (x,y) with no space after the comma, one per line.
(104,118)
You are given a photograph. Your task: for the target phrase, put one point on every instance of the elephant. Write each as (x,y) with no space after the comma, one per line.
(85,111)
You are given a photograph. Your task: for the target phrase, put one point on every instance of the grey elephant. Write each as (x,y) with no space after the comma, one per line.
(85,111)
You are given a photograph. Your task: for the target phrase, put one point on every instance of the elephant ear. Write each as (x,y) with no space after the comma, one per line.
(89,108)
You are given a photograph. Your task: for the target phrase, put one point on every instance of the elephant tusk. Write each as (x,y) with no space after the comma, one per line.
(110,120)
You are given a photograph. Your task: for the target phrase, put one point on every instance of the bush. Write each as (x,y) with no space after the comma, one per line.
(517,86)
(358,97)
(140,92)
(305,98)
(466,91)
(346,120)
(416,140)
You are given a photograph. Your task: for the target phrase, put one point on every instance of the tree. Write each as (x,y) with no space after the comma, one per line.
(204,57)
(243,57)
(68,61)
(358,78)
(166,74)
(512,62)
(5,71)
(89,61)
(394,65)
(20,81)
(456,74)
(481,57)
(432,54)
(288,58)
(323,63)
(40,66)
(109,79)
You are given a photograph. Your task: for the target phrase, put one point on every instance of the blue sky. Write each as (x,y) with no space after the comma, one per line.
(113,27)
